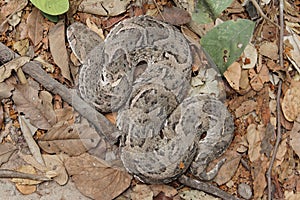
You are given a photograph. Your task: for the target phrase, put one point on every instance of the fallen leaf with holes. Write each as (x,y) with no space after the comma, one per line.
(295,136)
(53,168)
(245,108)
(13,65)
(56,167)
(291,102)
(58,49)
(95,178)
(233,75)
(35,26)
(27,101)
(269,49)
(63,137)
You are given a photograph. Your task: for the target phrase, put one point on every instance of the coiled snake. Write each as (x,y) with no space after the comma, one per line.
(143,70)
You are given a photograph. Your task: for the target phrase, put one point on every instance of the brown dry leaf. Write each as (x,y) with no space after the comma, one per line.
(244,82)
(282,150)
(104,8)
(53,168)
(266,143)
(229,168)
(295,136)
(95,28)
(291,102)
(293,41)
(15,64)
(166,189)
(56,165)
(257,80)
(291,195)
(46,98)
(263,109)
(233,75)
(1,117)
(27,101)
(58,49)
(245,108)
(258,174)
(63,137)
(269,49)
(174,15)
(35,26)
(5,90)
(141,191)
(6,150)
(12,6)
(21,46)
(97,179)
(163,196)
(112,117)
(64,114)
(254,137)
(26,189)
(28,131)
(22,29)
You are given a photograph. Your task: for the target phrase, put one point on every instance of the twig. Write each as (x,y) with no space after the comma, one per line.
(205,187)
(163,18)
(278,135)
(6,173)
(33,68)
(262,14)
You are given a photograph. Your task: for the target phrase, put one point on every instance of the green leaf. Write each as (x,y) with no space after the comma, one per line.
(207,11)
(52,18)
(52,7)
(226,42)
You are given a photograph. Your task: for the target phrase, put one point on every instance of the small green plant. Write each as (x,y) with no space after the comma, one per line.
(225,42)
(52,7)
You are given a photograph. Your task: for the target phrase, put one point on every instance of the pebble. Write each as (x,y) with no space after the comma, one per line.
(245,191)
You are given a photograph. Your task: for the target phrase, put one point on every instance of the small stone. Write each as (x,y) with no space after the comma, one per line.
(245,191)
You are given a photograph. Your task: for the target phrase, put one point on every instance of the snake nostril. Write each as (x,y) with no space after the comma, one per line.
(203,135)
